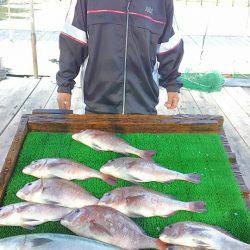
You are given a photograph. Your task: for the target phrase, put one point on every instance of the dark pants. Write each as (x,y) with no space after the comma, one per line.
(88,112)
(95,113)
(92,113)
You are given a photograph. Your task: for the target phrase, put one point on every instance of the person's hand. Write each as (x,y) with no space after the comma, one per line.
(64,100)
(173,99)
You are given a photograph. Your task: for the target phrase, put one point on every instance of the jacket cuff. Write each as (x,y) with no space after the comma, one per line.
(64,89)
(173,88)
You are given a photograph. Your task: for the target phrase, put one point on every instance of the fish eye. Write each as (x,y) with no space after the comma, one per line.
(29,184)
(77,210)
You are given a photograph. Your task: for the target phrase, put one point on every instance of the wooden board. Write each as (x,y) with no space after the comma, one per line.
(234,82)
(45,121)
(235,113)
(241,97)
(13,96)
(127,123)
(36,99)
(13,153)
(187,104)
(235,167)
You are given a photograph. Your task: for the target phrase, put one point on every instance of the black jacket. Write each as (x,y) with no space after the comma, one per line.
(123,40)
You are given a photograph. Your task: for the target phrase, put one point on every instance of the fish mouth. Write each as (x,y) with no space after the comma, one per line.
(64,222)
(103,169)
(164,238)
(20,194)
(25,170)
(75,136)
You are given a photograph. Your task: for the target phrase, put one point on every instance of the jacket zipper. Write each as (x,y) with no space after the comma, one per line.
(125,60)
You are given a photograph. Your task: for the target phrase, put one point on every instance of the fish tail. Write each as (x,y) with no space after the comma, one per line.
(198,206)
(147,154)
(194,178)
(108,179)
(160,245)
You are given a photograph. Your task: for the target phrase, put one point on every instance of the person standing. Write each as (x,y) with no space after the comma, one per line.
(124,41)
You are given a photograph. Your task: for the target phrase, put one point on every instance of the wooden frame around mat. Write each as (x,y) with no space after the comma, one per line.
(59,121)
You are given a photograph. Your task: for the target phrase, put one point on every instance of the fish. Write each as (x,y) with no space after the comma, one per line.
(178,247)
(110,226)
(65,169)
(28,215)
(106,141)
(137,201)
(50,241)
(58,192)
(200,235)
(138,170)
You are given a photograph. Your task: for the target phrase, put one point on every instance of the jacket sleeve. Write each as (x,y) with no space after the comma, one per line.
(73,46)
(169,54)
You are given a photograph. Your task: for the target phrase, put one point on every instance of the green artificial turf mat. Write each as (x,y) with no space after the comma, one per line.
(187,153)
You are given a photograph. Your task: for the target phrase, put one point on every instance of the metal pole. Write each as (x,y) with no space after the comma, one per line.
(9,19)
(33,40)
(248,15)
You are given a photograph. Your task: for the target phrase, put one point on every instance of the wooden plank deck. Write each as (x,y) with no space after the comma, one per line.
(19,96)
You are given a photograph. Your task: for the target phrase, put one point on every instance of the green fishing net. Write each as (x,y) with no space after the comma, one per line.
(206,82)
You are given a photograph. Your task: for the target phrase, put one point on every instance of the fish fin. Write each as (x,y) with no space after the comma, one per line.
(168,181)
(39,242)
(203,245)
(194,178)
(29,227)
(52,202)
(134,179)
(198,206)
(22,208)
(223,231)
(55,164)
(96,147)
(99,228)
(132,163)
(109,179)
(131,199)
(171,196)
(147,154)
(29,220)
(169,214)
(134,215)
(135,183)
(130,175)
(160,245)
